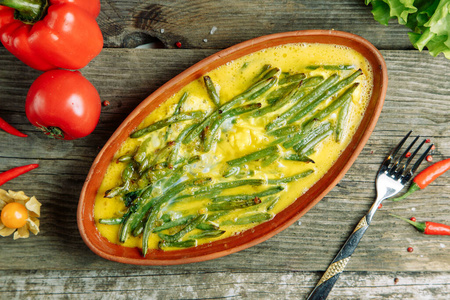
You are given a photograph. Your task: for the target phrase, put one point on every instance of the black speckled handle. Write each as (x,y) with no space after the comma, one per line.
(337,266)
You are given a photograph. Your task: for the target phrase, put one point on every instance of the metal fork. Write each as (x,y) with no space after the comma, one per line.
(391,178)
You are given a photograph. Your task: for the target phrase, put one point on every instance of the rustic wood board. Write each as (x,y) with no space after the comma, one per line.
(417,99)
(272,284)
(220,24)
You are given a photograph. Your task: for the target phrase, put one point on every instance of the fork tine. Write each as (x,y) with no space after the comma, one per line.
(410,158)
(394,151)
(411,172)
(401,157)
(420,160)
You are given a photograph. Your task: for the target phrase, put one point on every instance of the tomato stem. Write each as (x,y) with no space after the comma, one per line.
(52,131)
(27,11)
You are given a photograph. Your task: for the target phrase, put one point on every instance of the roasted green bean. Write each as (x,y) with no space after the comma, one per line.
(192,115)
(211,89)
(302,102)
(253,156)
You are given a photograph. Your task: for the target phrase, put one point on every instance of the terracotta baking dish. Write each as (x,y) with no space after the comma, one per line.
(262,232)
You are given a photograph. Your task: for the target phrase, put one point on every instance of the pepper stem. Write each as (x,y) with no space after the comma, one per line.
(413,188)
(419,225)
(27,11)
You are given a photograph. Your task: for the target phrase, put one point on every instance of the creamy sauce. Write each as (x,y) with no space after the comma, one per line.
(242,135)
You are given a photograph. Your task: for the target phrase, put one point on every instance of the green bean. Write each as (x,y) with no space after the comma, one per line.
(176,148)
(287,98)
(272,203)
(182,244)
(290,178)
(230,205)
(160,154)
(174,223)
(302,102)
(268,192)
(331,67)
(216,215)
(166,218)
(191,225)
(312,81)
(264,69)
(253,218)
(176,112)
(283,131)
(195,196)
(207,226)
(126,175)
(192,115)
(254,91)
(211,89)
(200,127)
(111,221)
(229,185)
(342,120)
(253,156)
(296,157)
(125,158)
(207,234)
(150,224)
(334,89)
(338,102)
(149,203)
(222,118)
(275,95)
(294,95)
(307,136)
(141,153)
(292,78)
(315,141)
(270,159)
(271,73)
(233,171)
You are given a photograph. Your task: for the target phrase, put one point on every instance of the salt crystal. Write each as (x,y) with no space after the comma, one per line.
(205,40)
(213,29)
(299,222)
(442,245)
(413,209)
(162,30)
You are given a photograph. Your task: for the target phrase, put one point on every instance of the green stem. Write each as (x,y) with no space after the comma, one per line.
(27,11)
(419,225)
(413,188)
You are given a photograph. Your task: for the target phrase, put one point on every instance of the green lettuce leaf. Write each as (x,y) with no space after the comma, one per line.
(429,21)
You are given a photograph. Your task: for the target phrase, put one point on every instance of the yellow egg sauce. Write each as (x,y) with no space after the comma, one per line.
(236,138)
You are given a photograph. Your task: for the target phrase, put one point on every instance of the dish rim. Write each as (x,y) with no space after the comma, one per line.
(85,211)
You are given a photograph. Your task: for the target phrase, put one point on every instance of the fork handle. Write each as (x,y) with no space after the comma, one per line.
(337,266)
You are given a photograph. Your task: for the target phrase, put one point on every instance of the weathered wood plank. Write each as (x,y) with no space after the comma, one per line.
(417,99)
(148,284)
(130,23)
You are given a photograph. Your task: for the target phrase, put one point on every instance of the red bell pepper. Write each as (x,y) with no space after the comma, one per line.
(50,34)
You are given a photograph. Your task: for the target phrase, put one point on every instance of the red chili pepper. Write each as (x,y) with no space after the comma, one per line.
(15,172)
(11,130)
(430,228)
(427,176)
(50,34)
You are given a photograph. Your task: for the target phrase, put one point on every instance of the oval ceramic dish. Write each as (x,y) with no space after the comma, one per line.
(85,217)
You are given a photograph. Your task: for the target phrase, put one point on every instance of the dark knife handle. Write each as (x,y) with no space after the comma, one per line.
(337,266)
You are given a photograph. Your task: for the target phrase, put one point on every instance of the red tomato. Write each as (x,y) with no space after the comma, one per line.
(14,215)
(63,104)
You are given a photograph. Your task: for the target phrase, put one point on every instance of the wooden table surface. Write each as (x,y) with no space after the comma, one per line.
(57,264)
